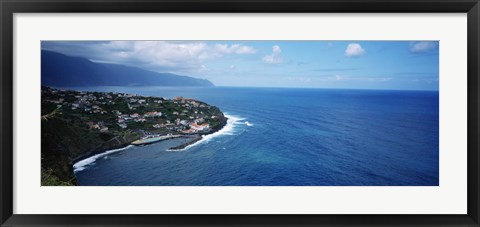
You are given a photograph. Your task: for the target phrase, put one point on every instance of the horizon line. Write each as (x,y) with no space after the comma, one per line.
(229,86)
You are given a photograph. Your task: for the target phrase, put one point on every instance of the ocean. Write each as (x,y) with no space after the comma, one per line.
(287,137)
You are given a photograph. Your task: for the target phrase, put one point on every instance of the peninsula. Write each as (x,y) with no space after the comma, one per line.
(76,125)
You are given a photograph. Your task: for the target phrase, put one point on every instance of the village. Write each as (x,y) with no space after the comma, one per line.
(113,112)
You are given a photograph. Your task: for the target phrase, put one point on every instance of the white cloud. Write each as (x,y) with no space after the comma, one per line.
(118,45)
(234,49)
(203,68)
(275,57)
(354,50)
(163,56)
(336,77)
(421,47)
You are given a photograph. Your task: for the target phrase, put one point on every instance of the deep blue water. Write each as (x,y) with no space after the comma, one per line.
(279,136)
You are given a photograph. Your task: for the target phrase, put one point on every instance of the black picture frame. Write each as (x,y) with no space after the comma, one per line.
(10,7)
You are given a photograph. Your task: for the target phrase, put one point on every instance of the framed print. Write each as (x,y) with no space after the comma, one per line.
(221,113)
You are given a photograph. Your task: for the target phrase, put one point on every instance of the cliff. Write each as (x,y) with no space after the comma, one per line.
(64,142)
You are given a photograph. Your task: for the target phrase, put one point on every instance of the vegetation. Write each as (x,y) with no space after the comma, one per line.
(76,125)
(50,179)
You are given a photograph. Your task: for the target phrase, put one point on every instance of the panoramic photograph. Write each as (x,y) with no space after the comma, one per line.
(239,113)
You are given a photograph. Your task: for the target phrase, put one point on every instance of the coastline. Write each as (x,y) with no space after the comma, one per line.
(227,125)
(157,139)
(195,139)
(199,136)
(79,163)
(78,127)
(100,151)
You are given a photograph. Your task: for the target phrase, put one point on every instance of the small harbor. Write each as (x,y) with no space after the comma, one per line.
(153,139)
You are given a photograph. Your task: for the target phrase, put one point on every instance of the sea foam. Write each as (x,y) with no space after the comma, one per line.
(228,129)
(82,164)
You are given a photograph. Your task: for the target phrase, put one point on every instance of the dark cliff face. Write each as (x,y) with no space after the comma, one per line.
(62,70)
(113,143)
(64,142)
(223,122)
(55,153)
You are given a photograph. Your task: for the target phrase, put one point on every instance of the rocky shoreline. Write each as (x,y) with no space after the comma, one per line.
(199,136)
(195,139)
(115,143)
(118,143)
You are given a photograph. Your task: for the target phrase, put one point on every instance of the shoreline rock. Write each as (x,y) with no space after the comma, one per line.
(199,136)
(121,142)
(114,143)
(181,146)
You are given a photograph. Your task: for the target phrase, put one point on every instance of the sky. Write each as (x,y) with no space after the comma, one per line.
(396,65)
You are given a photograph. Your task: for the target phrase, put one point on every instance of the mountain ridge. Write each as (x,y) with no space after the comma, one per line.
(62,70)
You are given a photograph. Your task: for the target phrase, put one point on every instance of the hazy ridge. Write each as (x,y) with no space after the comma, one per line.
(62,70)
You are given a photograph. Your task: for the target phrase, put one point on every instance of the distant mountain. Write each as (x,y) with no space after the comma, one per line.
(62,70)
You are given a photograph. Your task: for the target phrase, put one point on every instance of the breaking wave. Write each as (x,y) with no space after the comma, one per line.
(228,129)
(82,164)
